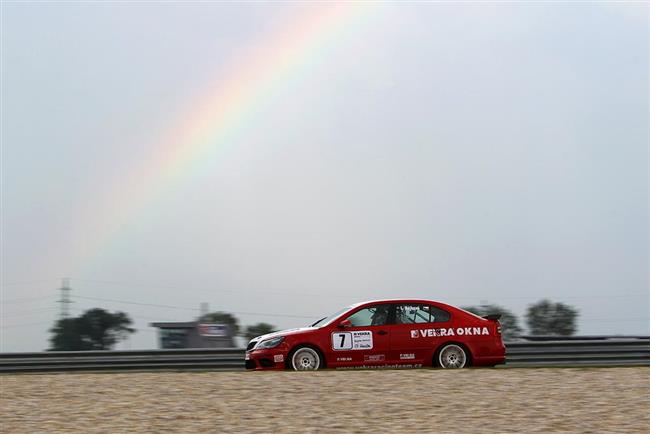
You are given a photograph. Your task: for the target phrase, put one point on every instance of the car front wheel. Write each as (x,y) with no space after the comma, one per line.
(305,359)
(452,356)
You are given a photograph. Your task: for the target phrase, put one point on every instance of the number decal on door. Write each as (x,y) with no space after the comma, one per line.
(356,340)
(342,341)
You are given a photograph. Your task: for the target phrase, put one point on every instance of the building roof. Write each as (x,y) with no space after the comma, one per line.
(174,325)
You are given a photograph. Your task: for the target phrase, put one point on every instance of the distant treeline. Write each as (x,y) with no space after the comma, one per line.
(98,329)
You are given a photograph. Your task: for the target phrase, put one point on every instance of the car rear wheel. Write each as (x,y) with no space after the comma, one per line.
(306,359)
(452,356)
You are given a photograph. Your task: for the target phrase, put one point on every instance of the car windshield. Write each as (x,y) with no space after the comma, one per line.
(323,321)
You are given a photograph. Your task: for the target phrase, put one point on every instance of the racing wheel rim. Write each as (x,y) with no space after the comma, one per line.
(452,357)
(305,359)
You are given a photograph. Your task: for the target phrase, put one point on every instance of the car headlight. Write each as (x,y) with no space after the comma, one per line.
(269,343)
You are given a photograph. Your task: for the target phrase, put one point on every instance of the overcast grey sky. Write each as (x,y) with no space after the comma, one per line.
(466,153)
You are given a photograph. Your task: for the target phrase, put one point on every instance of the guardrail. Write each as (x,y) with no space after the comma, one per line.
(589,351)
(583,352)
(183,359)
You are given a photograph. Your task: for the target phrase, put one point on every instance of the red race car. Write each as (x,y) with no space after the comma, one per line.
(384,334)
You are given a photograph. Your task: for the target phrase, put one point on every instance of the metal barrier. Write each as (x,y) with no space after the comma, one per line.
(580,352)
(588,351)
(182,359)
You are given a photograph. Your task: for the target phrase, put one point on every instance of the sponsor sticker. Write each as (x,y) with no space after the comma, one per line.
(278,358)
(344,359)
(407,356)
(374,358)
(356,340)
(385,366)
(460,331)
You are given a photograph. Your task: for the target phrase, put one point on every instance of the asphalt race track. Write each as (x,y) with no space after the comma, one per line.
(416,401)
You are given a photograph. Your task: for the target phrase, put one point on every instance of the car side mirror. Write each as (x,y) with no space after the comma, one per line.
(345,323)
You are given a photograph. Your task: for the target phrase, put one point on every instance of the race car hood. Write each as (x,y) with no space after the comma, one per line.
(286,332)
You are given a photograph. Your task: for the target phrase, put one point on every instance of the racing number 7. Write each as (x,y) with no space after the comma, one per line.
(342,341)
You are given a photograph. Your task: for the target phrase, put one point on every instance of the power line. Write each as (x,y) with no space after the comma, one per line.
(495,299)
(25,282)
(211,290)
(29,299)
(112,300)
(330,295)
(10,326)
(32,312)
(307,294)
(165,306)
(276,315)
(227,310)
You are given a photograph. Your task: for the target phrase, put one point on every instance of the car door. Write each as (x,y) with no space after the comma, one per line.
(364,340)
(416,332)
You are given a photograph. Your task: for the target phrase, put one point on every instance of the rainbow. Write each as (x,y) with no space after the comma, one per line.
(224,111)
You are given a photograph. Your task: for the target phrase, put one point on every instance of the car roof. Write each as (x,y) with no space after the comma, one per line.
(401,300)
(415,301)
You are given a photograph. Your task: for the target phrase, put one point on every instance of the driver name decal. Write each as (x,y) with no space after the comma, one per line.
(356,340)
(460,331)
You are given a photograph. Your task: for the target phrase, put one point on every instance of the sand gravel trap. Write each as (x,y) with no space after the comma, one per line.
(481,400)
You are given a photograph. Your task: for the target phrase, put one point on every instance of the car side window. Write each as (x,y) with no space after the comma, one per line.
(419,313)
(373,315)
(438,315)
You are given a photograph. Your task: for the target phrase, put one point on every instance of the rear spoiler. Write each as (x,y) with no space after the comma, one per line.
(493,316)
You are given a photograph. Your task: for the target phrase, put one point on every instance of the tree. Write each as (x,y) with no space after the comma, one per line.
(222,318)
(95,329)
(548,318)
(509,322)
(67,336)
(258,329)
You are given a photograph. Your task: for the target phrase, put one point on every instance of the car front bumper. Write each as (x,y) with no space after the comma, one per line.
(262,360)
